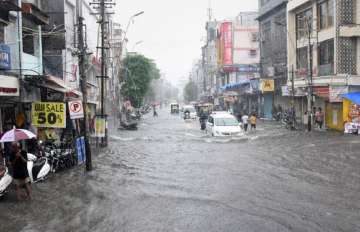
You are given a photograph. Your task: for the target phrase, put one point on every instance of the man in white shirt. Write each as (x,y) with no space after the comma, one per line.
(245,121)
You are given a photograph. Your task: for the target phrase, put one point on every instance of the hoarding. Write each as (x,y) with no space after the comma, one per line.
(226,33)
(49,114)
(5,59)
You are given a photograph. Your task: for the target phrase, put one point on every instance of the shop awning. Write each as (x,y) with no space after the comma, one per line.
(354,97)
(56,84)
(235,85)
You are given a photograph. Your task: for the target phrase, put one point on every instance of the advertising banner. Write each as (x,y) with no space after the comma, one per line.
(49,114)
(76,109)
(226,32)
(267,85)
(80,148)
(100,125)
(5,59)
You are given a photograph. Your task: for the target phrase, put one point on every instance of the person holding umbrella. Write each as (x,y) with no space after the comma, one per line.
(18,159)
(21,177)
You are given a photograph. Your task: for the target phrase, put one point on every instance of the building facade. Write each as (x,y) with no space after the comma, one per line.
(323,45)
(273,52)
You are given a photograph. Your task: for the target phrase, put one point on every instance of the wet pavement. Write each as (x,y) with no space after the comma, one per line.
(169,176)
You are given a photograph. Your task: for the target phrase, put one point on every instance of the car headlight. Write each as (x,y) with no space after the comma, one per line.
(217,133)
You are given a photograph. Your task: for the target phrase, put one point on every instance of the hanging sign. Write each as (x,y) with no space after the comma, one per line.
(48,114)
(267,85)
(76,109)
(100,124)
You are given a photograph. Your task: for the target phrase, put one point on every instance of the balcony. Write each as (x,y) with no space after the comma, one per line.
(326,69)
(9,5)
(35,14)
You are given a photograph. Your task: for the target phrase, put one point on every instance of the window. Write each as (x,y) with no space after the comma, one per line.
(304,23)
(28,41)
(302,58)
(326,14)
(326,52)
(254,36)
(252,52)
(2,34)
(326,58)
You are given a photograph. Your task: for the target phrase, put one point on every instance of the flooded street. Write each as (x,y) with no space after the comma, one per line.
(170,176)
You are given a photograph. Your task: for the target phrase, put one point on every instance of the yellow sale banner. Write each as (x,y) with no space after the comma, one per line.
(49,114)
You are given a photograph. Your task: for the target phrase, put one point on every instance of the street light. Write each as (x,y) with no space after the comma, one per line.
(130,20)
(136,44)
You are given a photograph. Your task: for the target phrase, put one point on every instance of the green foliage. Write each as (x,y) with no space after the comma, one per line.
(190,92)
(139,71)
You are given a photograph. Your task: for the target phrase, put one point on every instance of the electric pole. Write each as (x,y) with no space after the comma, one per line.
(310,74)
(101,6)
(82,54)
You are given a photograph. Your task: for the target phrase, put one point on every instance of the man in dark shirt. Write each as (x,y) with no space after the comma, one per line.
(20,173)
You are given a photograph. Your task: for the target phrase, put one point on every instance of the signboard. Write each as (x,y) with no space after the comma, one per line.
(49,114)
(5,59)
(80,148)
(336,91)
(76,109)
(267,85)
(9,86)
(226,32)
(100,124)
(285,90)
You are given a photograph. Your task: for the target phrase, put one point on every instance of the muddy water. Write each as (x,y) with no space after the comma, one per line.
(169,176)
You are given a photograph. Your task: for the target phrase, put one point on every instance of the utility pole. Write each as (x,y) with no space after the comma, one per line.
(101,6)
(83,80)
(310,75)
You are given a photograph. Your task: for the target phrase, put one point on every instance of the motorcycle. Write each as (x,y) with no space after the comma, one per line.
(38,168)
(5,181)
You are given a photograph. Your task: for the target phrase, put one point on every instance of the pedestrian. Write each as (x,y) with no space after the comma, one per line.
(245,121)
(154,111)
(20,172)
(319,117)
(253,121)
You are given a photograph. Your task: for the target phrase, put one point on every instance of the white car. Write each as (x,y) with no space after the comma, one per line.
(191,110)
(223,124)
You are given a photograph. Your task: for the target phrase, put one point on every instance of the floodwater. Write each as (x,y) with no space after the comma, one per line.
(170,176)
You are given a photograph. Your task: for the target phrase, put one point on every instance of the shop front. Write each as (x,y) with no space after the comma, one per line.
(267,89)
(9,100)
(351,113)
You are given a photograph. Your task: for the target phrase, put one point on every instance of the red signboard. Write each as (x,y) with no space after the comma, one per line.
(226,32)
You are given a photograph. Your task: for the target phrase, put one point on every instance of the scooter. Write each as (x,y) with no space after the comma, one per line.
(5,181)
(38,168)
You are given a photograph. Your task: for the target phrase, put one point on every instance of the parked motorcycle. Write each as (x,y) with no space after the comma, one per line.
(38,168)
(5,181)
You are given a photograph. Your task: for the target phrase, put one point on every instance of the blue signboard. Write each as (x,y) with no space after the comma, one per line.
(80,148)
(5,58)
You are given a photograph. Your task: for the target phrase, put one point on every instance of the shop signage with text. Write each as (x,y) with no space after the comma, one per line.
(49,114)
(267,85)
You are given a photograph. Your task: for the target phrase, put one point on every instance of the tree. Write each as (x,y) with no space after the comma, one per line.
(138,73)
(190,92)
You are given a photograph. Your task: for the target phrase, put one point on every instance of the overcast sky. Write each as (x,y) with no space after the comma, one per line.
(172,30)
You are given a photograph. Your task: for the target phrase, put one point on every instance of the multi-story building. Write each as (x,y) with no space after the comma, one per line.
(210,61)
(323,46)
(21,59)
(238,63)
(273,52)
